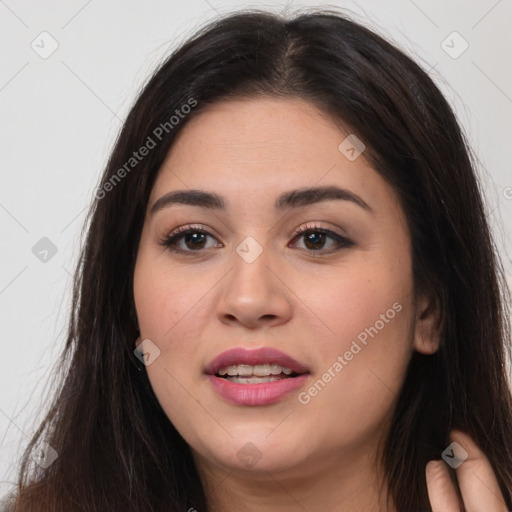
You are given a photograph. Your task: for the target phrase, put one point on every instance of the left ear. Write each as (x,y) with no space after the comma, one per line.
(428,324)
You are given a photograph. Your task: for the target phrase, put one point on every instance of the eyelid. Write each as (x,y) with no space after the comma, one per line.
(169,240)
(178,233)
(343,241)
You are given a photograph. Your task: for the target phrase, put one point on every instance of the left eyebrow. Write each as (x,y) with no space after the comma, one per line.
(307,196)
(288,200)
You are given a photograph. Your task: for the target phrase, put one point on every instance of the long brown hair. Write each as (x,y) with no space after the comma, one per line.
(117,450)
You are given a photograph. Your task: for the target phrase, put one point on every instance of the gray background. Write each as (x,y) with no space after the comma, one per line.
(61,112)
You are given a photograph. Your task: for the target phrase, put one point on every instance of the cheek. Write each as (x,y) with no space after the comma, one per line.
(173,309)
(363,364)
(170,313)
(367,299)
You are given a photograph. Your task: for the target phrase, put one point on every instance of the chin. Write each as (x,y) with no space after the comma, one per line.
(268,455)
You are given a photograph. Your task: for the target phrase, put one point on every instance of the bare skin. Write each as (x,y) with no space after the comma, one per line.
(309,296)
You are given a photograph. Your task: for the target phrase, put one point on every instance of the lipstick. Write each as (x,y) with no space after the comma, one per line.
(293,377)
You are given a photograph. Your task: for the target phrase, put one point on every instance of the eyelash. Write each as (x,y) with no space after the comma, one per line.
(171,240)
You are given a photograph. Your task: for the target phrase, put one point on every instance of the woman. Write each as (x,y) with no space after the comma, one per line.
(288,298)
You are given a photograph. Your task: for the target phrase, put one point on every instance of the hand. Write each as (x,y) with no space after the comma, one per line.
(477,482)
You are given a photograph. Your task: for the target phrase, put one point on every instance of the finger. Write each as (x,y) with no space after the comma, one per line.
(477,481)
(441,491)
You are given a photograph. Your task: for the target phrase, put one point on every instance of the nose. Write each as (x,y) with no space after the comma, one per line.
(253,295)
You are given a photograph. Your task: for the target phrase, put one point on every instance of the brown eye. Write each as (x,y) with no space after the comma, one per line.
(187,239)
(316,238)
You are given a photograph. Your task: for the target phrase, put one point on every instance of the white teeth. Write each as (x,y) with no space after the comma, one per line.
(275,369)
(259,370)
(244,370)
(254,380)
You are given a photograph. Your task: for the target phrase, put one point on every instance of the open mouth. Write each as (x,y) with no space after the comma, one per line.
(257,374)
(257,377)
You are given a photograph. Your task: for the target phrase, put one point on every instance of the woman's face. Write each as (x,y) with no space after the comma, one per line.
(338,298)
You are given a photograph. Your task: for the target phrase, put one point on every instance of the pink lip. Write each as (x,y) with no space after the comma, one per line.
(264,355)
(264,393)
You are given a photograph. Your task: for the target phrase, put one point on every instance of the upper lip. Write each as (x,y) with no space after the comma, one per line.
(264,355)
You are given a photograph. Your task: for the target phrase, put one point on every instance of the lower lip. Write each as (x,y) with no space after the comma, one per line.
(264,393)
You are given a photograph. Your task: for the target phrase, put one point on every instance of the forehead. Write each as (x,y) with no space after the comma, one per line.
(251,129)
(263,147)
